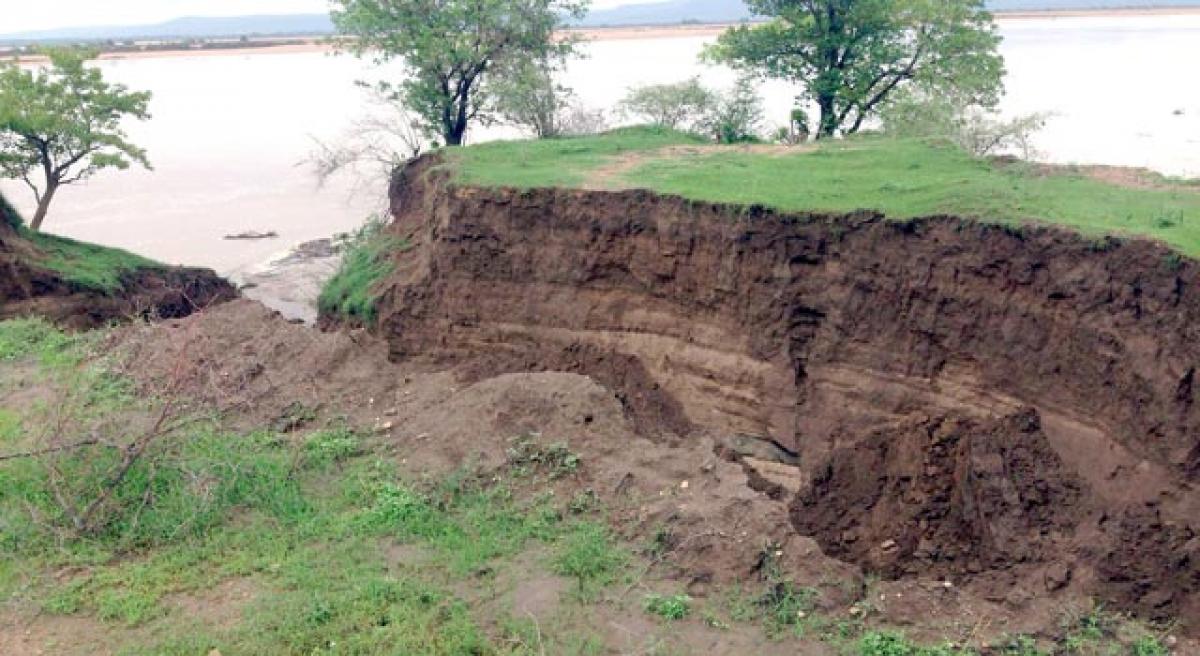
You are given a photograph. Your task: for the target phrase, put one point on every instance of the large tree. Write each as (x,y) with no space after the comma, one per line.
(61,124)
(850,56)
(450,47)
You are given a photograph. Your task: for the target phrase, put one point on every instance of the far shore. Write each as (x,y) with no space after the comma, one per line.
(321,44)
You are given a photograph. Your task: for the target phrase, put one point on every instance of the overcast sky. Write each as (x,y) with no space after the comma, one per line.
(26,15)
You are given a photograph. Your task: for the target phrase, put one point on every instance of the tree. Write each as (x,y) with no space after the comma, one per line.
(64,123)
(851,55)
(679,105)
(450,48)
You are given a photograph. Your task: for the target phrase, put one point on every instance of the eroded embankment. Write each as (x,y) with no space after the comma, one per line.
(1012,407)
(26,288)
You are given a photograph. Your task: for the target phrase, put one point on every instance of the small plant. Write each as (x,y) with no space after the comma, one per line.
(1173,262)
(668,607)
(589,555)
(786,606)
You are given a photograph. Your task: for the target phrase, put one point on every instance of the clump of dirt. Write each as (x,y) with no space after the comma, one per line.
(945,495)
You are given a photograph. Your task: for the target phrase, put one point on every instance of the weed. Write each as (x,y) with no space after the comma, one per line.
(668,607)
(786,606)
(1173,262)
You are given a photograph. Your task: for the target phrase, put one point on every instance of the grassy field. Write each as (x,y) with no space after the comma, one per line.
(902,178)
(311,542)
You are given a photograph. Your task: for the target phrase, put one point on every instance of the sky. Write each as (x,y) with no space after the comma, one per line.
(27,15)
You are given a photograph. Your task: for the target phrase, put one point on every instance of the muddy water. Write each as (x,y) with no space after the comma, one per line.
(230,133)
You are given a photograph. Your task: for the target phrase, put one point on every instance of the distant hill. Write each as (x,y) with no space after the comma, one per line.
(652,13)
(187,28)
(670,12)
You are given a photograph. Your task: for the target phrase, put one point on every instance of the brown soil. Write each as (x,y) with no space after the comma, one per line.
(29,289)
(1002,406)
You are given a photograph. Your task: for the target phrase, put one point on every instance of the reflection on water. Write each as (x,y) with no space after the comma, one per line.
(230,133)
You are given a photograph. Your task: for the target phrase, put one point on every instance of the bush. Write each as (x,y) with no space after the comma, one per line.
(678,106)
(979,131)
(736,117)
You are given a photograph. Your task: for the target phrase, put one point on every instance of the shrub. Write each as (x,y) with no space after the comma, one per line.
(678,106)
(736,117)
(979,131)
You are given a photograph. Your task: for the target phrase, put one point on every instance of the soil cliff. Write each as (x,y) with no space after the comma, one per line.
(964,399)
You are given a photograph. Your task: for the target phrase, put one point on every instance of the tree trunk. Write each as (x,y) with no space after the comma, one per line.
(43,208)
(829,122)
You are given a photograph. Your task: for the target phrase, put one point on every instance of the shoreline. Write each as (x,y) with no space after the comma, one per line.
(321,44)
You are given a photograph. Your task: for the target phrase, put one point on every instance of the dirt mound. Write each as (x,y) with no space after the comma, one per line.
(946,495)
(27,288)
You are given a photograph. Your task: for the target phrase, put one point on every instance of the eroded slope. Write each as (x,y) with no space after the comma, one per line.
(822,333)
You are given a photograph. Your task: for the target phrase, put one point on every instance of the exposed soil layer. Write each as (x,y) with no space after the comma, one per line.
(956,495)
(1050,375)
(167,292)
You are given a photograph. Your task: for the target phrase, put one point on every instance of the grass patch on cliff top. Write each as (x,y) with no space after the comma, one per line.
(901,178)
(87,266)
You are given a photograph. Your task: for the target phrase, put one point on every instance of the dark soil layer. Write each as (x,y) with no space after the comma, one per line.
(164,292)
(1012,407)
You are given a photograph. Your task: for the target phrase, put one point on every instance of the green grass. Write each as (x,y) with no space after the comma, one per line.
(902,178)
(306,522)
(556,162)
(352,293)
(87,266)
